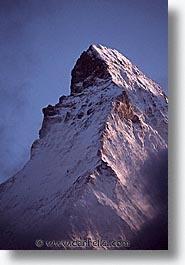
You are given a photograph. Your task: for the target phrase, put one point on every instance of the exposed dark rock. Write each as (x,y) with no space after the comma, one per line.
(135,119)
(87,68)
(49,111)
(89,111)
(80,115)
(62,98)
(68,115)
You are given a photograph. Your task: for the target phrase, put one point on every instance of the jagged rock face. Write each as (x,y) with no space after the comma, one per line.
(90,172)
(87,69)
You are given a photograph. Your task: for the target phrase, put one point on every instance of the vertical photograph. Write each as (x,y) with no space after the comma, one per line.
(84,125)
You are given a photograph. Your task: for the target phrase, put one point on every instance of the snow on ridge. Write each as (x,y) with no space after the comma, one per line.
(105,53)
(118,68)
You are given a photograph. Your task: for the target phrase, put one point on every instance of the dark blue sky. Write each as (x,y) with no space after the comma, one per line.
(40,41)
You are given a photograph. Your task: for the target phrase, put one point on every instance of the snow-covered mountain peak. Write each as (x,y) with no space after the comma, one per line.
(90,69)
(107,54)
(99,65)
(88,174)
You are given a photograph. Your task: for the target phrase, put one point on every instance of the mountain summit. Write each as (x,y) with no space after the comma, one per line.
(98,169)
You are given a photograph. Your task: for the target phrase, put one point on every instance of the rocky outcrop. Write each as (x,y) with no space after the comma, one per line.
(87,70)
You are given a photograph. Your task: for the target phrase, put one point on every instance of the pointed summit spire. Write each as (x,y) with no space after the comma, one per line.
(101,64)
(88,68)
